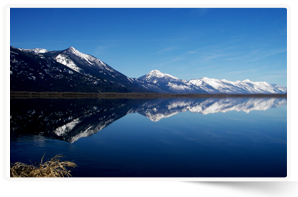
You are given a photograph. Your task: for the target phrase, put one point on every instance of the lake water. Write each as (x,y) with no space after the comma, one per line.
(230,137)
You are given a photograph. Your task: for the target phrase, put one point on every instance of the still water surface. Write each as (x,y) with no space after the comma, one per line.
(231,137)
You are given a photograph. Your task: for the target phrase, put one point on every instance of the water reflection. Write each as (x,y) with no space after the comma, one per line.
(71,119)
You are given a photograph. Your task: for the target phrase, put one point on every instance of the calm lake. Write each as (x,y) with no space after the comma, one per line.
(208,137)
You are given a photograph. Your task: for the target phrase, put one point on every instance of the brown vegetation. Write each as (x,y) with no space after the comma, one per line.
(51,168)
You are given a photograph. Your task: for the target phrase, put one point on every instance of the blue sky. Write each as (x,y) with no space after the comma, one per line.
(233,44)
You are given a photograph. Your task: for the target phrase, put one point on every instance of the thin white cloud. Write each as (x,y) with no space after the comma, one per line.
(262,55)
(232,58)
(274,77)
(243,71)
(165,50)
(213,52)
(170,61)
(278,71)
(191,52)
(100,50)
(212,56)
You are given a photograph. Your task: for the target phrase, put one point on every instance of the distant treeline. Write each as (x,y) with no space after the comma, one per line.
(113,95)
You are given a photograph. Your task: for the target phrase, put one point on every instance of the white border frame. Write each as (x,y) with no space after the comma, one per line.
(6,38)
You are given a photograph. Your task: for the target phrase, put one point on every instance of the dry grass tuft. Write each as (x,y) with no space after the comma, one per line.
(51,168)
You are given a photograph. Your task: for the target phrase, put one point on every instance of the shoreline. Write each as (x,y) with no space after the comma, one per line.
(131,95)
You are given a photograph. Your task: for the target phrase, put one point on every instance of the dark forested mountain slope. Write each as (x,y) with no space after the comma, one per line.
(67,70)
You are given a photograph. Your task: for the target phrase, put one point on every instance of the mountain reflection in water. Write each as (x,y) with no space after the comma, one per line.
(71,119)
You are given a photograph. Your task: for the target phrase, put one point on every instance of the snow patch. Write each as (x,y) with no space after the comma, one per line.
(62,59)
(63,130)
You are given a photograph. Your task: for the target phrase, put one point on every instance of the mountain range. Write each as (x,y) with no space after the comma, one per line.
(70,119)
(72,71)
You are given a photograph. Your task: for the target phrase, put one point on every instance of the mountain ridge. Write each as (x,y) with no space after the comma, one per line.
(73,119)
(64,70)
(163,83)
(70,70)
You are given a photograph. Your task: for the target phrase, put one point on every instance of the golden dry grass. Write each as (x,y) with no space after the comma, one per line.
(51,168)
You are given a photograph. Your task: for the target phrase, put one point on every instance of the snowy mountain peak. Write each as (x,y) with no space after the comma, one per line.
(72,49)
(84,63)
(158,81)
(65,70)
(155,72)
(205,78)
(246,80)
(155,81)
(158,74)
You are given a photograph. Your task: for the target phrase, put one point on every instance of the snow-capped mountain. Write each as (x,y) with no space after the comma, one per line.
(66,70)
(165,83)
(70,119)
(70,70)
(240,87)
(160,82)
(87,65)
(158,109)
(66,119)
